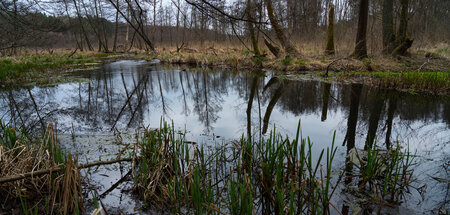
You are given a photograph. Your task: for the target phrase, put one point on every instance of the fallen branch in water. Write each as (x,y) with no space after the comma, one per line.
(115,185)
(57,169)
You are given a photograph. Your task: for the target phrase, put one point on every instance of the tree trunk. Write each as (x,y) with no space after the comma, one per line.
(272,48)
(251,28)
(330,32)
(287,45)
(138,18)
(403,47)
(403,43)
(403,22)
(82,26)
(388,27)
(361,37)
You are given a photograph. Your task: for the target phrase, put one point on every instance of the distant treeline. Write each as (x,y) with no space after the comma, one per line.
(119,25)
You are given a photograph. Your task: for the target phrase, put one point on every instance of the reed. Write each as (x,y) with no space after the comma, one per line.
(275,175)
(55,193)
(385,175)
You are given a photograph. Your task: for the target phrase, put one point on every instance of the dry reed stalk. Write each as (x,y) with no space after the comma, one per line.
(26,157)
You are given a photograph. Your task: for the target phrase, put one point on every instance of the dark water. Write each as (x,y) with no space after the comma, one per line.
(217,106)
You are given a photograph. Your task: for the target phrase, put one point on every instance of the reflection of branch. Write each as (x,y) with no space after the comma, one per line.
(249,106)
(185,109)
(127,102)
(271,82)
(35,107)
(138,105)
(114,186)
(162,95)
(17,108)
(271,105)
(126,91)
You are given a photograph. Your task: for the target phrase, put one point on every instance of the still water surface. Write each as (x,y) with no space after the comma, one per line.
(218,106)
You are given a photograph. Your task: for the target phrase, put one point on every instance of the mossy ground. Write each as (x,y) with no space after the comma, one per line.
(44,69)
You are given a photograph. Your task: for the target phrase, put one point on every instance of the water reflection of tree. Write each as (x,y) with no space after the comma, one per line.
(325,100)
(376,107)
(282,85)
(392,105)
(253,90)
(183,74)
(207,98)
(350,135)
(302,98)
(352,119)
(98,103)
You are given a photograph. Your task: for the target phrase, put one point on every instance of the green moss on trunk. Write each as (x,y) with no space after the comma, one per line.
(330,33)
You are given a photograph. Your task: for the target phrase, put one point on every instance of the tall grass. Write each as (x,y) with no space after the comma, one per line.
(276,175)
(437,82)
(385,175)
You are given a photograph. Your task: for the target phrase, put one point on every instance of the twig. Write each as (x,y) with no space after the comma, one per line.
(71,54)
(332,205)
(127,102)
(115,185)
(420,68)
(35,107)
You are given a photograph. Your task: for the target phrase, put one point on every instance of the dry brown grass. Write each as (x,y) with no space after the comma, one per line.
(54,193)
(311,58)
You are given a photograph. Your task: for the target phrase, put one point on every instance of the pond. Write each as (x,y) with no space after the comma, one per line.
(217,105)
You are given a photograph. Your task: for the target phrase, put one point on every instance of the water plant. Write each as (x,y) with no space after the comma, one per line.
(276,175)
(386,175)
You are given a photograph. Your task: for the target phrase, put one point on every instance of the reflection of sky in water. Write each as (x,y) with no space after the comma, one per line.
(211,106)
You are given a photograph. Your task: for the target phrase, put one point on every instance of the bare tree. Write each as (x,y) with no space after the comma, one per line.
(251,27)
(136,21)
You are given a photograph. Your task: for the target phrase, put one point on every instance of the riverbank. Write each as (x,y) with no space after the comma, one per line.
(421,72)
